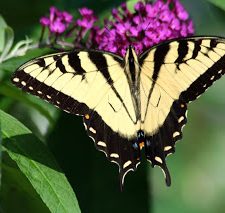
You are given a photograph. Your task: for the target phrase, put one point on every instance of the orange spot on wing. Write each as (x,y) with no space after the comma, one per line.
(87,116)
(141,145)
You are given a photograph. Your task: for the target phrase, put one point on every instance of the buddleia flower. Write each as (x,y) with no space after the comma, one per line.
(58,21)
(148,25)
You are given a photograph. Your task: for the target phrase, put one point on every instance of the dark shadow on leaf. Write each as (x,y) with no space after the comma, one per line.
(29,146)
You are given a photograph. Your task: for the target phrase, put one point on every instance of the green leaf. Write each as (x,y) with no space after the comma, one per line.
(38,165)
(218,3)
(3,26)
(14,180)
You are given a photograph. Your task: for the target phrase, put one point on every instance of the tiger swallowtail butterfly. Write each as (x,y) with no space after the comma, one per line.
(131,103)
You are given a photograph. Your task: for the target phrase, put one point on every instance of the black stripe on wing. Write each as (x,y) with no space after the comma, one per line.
(117,148)
(59,64)
(200,85)
(182,51)
(197,48)
(100,62)
(74,61)
(159,57)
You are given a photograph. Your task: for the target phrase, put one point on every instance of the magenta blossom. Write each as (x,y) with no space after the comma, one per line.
(58,21)
(148,25)
(88,18)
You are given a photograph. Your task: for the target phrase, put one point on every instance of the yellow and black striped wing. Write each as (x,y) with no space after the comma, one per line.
(173,74)
(91,84)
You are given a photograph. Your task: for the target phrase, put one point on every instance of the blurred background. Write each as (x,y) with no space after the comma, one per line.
(197,168)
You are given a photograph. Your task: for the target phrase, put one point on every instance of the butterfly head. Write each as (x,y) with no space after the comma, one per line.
(130,48)
(132,64)
(131,53)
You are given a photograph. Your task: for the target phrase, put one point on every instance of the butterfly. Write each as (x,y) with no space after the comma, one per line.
(131,103)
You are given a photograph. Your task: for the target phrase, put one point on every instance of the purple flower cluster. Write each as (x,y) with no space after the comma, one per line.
(58,21)
(149,24)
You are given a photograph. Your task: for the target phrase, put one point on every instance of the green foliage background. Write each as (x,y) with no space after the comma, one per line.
(31,178)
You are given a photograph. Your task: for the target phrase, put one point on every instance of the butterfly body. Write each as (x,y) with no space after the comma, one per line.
(131,103)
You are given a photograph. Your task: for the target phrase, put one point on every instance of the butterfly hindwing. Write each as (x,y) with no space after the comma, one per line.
(91,84)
